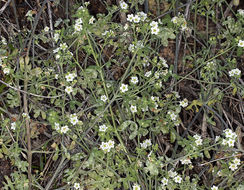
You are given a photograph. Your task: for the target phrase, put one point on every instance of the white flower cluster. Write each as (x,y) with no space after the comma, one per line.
(104,98)
(4,41)
(146,143)
(235,73)
(186,161)
(211,65)
(234,164)
(62,130)
(148,73)
(140,16)
(78,25)
(230,138)
(180,21)
(198,140)
(106,146)
(74,119)
(68,89)
(154,27)
(136,187)
(241,12)
(184,103)
(133,47)
(134,80)
(13,126)
(108,33)
(91,20)
(103,128)
(6,71)
(176,177)
(70,77)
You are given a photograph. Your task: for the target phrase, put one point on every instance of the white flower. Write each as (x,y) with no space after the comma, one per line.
(123,5)
(63,46)
(111,144)
(74,119)
(126,26)
(241,43)
(136,19)
(104,98)
(78,27)
(237,161)
(124,88)
(56,76)
(231,143)
(172,115)
(131,48)
(102,128)
(217,138)
(142,15)
(172,174)
(46,29)
(155,30)
(164,181)
(78,21)
(6,71)
(154,24)
(186,161)
(134,80)
(91,20)
(157,75)
(70,77)
(4,41)
(143,145)
(198,142)
(163,62)
(136,187)
(64,129)
(197,136)
(177,179)
(184,103)
(148,142)
(24,115)
(214,187)
(148,74)
(130,17)
(241,12)
(56,126)
(133,109)
(233,166)
(68,89)
(174,20)
(13,126)
(77,186)
(29,13)
(224,142)
(56,37)
(104,146)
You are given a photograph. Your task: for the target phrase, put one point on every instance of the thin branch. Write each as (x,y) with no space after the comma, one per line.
(4,6)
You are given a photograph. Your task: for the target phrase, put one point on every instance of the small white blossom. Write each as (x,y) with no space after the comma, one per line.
(233,166)
(154,24)
(186,161)
(6,71)
(46,29)
(111,144)
(29,13)
(130,17)
(56,37)
(104,146)
(237,161)
(124,88)
(136,187)
(78,27)
(184,103)
(68,89)
(56,126)
(142,15)
(104,98)
(63,46)
(136,19)
(174,20)
(133,109)
(131,48)
(13,126)
(103,128)
(123,5)
(172,174)
(70,77)
(148,74)
(164,181)
(214,187)
(64,129)
(77,186)
(134,80)
(177,179)
(241,43)
(74,119)
(91,20)
(155,30)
